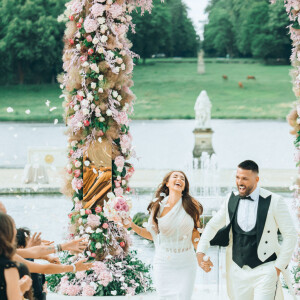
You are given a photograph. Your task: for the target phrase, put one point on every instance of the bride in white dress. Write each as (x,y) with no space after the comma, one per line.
(173,226)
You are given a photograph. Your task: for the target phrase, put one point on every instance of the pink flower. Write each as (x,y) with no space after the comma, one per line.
(70,215)
(98,209)
(130,291)
(105,278)
(117,183)
(93,221)
(83,58)
(88,211)
(122,118)
(120,28)
(119,161)
(99,267)
(77,184)
(80,275)
(73,290)
(125,142)
(93,255)
(115,10)
(78,25)
(90,51)
(122,244)
(90,25)
(71,18)
(78,206)
(88,290)
(117,207)
(76,7)
(77,173)
(89,38)
(118,191)
(86,123)
(105,225)
(97,9)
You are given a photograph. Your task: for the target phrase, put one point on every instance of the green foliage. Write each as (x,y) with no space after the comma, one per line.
(247,28)
(167,30)
(31,40)
(140,218)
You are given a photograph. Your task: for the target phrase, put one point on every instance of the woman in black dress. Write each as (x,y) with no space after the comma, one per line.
(11,286)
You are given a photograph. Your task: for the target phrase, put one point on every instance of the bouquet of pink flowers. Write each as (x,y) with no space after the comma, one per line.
(117,208)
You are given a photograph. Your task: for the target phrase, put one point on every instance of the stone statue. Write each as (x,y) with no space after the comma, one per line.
(203,111)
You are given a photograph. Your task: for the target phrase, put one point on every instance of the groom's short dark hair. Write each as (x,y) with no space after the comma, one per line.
(249,165)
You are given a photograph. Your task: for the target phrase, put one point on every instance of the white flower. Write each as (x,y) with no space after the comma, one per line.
(93,106)
(82,212)
(111,195)
(123,67)
(117,69)
(129,18)
(98,230)
(123,52)
(100,77)
(100,50)
(78,34)
(100,90)
(81,93)
(109,112)
(98,246)
(95,41)
(119,178)
(101,119)
(103,28)
(104,38)
(93,85)
(80,220)
(119,169)
(114,293)
(79,124)
(124,182)
(84,103)
(69,167)
(77,164)
(85,111)
(88,229)
(101,20)
(90,97)
(78,47)
(122,278)
(109,2)
(85,64)
(98,112)
(110,54)
(93,285)
(119,98)
(76,107)
(76,199)
(95,68)
(74,143)
(115,94)
(80,227)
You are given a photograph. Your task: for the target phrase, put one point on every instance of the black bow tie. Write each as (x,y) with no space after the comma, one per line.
(246,198)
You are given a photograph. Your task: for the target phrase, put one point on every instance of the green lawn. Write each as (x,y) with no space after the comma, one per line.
(169,90)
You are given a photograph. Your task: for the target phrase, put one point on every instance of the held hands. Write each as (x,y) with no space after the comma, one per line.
(76,245)
(204,262)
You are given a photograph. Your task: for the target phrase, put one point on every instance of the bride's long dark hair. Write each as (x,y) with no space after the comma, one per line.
(190,204)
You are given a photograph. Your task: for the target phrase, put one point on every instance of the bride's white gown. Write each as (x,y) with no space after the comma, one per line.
(175,260)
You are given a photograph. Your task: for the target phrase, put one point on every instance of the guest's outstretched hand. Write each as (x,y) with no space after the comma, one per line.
(82,265)
(78,245)
(35,240)
(204,262)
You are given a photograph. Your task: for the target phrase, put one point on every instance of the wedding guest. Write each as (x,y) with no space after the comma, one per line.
(174,227)
(38,280)
(11,286)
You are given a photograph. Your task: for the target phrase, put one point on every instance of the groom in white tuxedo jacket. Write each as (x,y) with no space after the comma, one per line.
(248,224)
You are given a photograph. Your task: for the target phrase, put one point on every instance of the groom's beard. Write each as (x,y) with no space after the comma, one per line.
(247,191)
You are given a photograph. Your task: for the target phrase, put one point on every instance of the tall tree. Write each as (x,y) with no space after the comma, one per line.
(31,37)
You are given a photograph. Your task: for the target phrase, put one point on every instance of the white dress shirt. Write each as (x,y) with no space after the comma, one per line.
(247,211)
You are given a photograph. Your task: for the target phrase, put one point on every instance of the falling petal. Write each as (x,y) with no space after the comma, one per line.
(100,140)
(53,108)
(94,170)
(62,96)
(27,111)
(47,103)
(87,163)
(55,121)
(9,109)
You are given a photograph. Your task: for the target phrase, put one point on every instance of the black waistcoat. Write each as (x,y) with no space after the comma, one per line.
(244,248)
